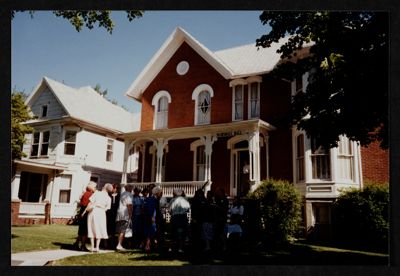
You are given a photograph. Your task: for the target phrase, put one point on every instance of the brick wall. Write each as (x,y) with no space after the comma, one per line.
(375,164)
(181,108)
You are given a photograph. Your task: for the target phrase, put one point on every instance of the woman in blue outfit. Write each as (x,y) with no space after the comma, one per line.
(150,210)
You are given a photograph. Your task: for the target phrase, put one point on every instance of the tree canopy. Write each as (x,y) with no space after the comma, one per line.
(79,19)
(347,61)
(19,114)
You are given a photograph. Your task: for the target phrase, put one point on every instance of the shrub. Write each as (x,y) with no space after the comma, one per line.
(280,205)
(360,217)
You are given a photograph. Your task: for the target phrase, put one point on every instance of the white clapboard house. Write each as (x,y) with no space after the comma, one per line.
(74,142)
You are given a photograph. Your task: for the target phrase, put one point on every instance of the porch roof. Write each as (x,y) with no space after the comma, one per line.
(200,130)
(37,165)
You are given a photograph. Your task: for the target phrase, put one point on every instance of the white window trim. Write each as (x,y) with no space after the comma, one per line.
(193,147)
(233,84)
(250,81)
(76,129)
(304,84)
(40,144)
(107,150)
(155,101)
(195,96)
(70,191)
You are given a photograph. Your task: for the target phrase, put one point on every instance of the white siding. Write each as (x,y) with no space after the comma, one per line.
(91,147)
(46,97)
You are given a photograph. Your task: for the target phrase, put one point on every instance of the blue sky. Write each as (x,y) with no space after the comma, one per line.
(50,46)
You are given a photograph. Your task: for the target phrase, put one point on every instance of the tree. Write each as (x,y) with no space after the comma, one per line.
(78,19)
(348,66)
(280,204)
(19,114)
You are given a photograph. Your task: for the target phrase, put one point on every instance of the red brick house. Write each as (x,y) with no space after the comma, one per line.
(215,119)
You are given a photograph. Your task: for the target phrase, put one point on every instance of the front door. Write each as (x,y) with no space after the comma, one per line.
(242,172)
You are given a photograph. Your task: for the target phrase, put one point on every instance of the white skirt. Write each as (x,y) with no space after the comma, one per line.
(97,224)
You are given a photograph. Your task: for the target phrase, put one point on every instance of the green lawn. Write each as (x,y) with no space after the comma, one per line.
(28,238)
(41,237)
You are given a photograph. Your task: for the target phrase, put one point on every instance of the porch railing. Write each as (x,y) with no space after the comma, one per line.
(32,209)
(189,187)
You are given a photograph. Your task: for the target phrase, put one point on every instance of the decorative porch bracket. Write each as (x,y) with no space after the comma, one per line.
(208,141)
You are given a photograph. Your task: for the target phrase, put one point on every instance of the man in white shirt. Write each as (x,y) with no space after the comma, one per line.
(124,215)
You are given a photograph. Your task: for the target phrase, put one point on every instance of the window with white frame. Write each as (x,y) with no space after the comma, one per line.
(109,153)
(202,95)
(162,113)
(345,159)
(238,102)
(254,100)
(200,163)
(65,189)
(69,142)
(320,159)
(40,144)
(300,158)
(160,101)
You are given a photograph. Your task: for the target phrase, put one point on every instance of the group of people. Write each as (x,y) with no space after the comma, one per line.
(111,216)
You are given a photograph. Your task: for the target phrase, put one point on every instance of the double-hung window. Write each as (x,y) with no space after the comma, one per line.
(40,144)
(300,158)
(200,163)
(345,159)
(238,102)
(320,158)
(65,189)
(109,153)
(69,142)
(254,97)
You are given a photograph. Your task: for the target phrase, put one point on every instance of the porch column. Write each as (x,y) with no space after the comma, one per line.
(266,140)
(208,141)
(125,165)
(254,157)
(142,149)
(160,144)
(15,185)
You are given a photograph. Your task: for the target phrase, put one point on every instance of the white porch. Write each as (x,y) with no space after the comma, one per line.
(155,144)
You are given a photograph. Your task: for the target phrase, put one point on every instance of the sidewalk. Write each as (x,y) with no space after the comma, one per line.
(41,258)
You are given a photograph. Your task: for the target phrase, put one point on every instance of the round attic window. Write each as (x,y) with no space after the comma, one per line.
(182,68)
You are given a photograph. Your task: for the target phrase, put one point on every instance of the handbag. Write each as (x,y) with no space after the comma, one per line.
(128,231)
(88,208)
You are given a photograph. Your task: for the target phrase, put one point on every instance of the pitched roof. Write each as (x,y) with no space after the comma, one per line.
(231,63)
(87,105)
(248,60)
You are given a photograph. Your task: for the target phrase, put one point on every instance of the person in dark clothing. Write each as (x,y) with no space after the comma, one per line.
(209,218)
(151,211)
(222,203)
(111,215)
(198,204)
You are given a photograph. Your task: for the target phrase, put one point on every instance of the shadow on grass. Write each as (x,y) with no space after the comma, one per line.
(14,236)
(293,254)
(67,246)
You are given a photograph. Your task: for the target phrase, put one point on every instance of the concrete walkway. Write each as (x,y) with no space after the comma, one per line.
(41,258)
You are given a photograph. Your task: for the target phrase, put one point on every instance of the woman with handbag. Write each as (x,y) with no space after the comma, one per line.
(83,228)
(97,221)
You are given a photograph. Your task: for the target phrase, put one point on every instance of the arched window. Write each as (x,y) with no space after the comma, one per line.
(202,96)
(160,102)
